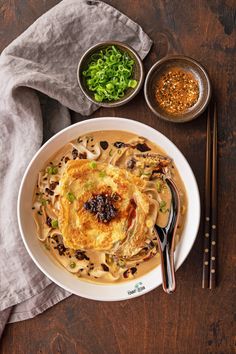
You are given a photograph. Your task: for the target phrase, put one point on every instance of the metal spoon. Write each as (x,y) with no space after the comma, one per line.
(166,238)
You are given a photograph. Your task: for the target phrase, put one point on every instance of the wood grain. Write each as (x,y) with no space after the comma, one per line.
(193,320)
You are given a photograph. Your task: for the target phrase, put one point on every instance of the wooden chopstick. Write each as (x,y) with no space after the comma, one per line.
(210,221)
(206,256)
(212,284)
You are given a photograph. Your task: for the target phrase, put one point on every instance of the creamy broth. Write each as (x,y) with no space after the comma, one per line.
(126,151)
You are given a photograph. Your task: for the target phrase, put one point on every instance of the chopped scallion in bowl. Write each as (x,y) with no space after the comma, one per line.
(110,73)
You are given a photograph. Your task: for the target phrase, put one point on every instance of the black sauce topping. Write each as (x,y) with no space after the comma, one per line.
(53,185)
(61,249)
(151,245)
(49,221)
(126,273)
(55,238)
(82,155)
(101,205)
(131,163)
(104,145)
(132,212)
(66,159)
(119,144)
(133,270)
(115,197)
(80,255)
(105,267)
(74,153)
(142,147)
(49,191)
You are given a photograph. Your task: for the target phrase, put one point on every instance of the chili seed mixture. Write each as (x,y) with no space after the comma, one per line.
(177,90)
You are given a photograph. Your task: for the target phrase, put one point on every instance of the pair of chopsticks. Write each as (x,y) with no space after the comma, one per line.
(210,221)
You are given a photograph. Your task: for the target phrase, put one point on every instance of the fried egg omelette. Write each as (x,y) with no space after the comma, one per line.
(81,229)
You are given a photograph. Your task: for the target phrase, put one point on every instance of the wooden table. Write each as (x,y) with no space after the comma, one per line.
(192,320)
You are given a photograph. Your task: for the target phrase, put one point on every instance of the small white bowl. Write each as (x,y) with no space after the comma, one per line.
(54,271)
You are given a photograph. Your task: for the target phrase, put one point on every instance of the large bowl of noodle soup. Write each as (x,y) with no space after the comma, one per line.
(126,282)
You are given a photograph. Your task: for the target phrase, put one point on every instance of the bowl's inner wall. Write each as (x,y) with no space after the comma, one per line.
(87,59)
(185,65)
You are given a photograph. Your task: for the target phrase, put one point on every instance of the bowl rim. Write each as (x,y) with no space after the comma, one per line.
(138,61)
(200,67)
(109,291)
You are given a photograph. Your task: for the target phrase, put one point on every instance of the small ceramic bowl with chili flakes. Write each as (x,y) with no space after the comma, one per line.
(177,89)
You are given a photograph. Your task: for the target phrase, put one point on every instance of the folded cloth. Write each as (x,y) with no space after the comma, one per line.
(38,85)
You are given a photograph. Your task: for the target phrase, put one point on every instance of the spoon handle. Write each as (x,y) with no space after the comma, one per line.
(167,269)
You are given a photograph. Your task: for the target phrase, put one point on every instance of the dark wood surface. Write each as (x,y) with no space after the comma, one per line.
(192,320)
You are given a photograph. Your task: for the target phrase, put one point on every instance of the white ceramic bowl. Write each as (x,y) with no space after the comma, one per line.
(54,271)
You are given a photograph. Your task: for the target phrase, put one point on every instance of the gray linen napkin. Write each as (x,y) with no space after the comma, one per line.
(37,86)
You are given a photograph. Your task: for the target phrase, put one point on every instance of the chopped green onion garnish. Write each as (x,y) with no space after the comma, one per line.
(102,174)
(54,224)
(72,265)
(121,263)
(109,74)
(43,201)
(163,206)
(52,170)
(110,152)
(109,86)
(70,197)
(89,185)
(92,164)
(140,172)
(132,83)
(159,186)
(98,97)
